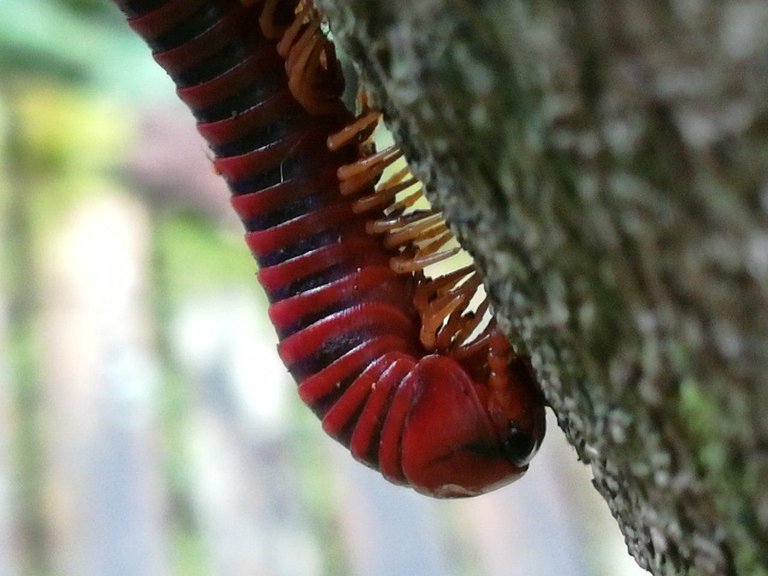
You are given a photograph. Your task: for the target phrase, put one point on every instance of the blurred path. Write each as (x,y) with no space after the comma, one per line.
(389,530)
(7,541)
(247,490)
(104,475)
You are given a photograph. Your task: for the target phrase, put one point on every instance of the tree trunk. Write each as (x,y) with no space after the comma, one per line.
(607,164)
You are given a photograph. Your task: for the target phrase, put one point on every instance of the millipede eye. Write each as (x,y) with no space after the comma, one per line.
(519,446)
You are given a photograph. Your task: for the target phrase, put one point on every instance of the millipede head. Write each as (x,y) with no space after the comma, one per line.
(452,446)
(515,402)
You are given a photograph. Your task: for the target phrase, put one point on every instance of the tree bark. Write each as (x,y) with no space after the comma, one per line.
(606,162)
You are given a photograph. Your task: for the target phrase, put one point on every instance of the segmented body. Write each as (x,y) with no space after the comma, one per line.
(455,421)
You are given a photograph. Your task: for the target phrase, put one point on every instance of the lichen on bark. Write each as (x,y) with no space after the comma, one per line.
(607,164)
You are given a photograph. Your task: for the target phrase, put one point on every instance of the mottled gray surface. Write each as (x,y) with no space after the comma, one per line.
(606,163)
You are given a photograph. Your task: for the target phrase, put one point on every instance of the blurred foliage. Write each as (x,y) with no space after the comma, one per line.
(77,41)
(89,7)
(199,257)
(73,81)
(68,129)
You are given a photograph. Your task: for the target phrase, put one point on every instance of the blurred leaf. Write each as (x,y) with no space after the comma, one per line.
(69,130)
(87,6)
(200,256)
(46,37)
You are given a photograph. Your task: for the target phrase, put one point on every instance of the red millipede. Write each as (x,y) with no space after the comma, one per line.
(395,362)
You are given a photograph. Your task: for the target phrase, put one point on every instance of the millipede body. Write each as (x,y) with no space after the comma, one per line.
(395,362)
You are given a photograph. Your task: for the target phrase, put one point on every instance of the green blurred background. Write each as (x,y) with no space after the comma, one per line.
(147,426)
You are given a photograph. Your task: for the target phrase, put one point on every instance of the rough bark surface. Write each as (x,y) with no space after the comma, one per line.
(606,162)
